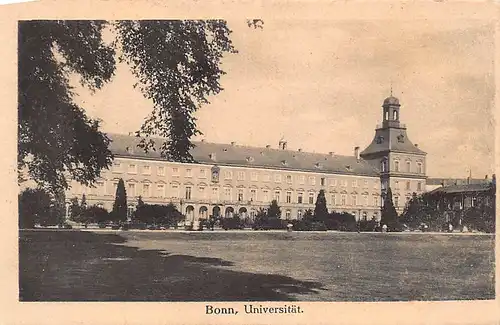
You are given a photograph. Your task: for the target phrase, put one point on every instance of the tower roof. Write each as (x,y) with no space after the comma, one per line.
(391,100)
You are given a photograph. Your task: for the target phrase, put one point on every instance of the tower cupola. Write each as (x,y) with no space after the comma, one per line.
(390,109)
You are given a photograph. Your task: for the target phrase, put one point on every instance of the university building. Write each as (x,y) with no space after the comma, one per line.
(231,178)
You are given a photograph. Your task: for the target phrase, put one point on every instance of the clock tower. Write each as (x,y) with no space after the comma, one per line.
(401,163)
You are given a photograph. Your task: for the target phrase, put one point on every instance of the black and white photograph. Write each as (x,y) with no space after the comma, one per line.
(256,160)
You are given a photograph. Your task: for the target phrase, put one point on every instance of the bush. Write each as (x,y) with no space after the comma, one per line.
(232,223)
(368,225)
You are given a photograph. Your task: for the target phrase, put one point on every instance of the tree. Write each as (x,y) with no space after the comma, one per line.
(320,209)
(119,212)
(84,201)
(389,214)
(75,210)
(177,66)
(34,207)
(274,211)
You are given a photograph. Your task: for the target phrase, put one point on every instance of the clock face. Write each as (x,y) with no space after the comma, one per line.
(401,138)
(380,139)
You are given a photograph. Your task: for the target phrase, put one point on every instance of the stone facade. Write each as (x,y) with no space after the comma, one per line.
(229,178)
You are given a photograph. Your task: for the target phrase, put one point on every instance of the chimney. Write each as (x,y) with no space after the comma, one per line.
(356,153)
(299,150)
(331,153)
(268,146)
(284,145)
(416,145)
(485,176)
(212,156)
(233,143)
(202,140)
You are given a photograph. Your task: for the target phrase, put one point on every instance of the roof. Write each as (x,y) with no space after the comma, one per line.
(239,155)
(391,139)
(456,181)
(391,101)
(483,187)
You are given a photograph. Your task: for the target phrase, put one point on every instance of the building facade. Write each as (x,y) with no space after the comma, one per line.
(229,178)
(401,164)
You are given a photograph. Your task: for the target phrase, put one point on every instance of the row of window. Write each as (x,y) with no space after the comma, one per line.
(254,176)
(264,195)
(408,186)
(408,167)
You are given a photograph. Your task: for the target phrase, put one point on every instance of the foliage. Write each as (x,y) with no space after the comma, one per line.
(56,138)
(342,221)
(389,215)
(157,214)
(119,212)
(320,209)
(423,210)
(176,63)
(265,221)
(34,207)
(368,225)
(232,223)
(95,214)
(274,211)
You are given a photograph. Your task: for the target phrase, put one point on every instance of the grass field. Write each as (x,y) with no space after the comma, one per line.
(249,266)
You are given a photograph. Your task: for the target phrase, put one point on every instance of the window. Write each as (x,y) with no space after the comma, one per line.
(300,198)
(267,178)
(175,190)
(365,183)
(101,188)
(299,214)
(228,175)
(396,185)
(408,167)
(289,197)
(227,193)
(145,190)
(189,172)
(289,179)
(375,201)
(354,199)
(365,200)
(312,180)
(396,201)
(203,192)
(322,181)
(365,215)
(396,166)
(175,171)
(146,170)
(253,195)
(203,173)
(302,179)
(355,183)
(277,178)
(375,183)
(384,185)
(333,182)
(408,185)
(241,176)
(161,171)
(188,193)
(288,213)
(132,169)
(240,194)
(266,195)
(215,193)
(419,186)
(117,167)
(384,166)
(334,199)
(311,198)
(277,195)
(254,176)
(473,201)
(343,200)
(419,168)
(160,190)
(131,189)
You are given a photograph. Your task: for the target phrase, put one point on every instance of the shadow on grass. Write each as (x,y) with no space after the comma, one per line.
(86,266)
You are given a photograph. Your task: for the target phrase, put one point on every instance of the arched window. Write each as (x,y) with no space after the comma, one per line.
(386,115)
(419,168)
(408,167)
(395,114)
(396,166)
(384,166)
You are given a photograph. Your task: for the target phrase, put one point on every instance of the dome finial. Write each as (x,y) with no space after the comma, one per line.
(391,87)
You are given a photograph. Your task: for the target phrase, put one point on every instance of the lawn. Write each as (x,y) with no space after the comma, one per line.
(250,266)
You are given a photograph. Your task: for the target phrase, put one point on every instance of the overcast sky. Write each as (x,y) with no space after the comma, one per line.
(321,84)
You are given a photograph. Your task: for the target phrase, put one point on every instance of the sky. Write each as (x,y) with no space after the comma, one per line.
(320,85)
